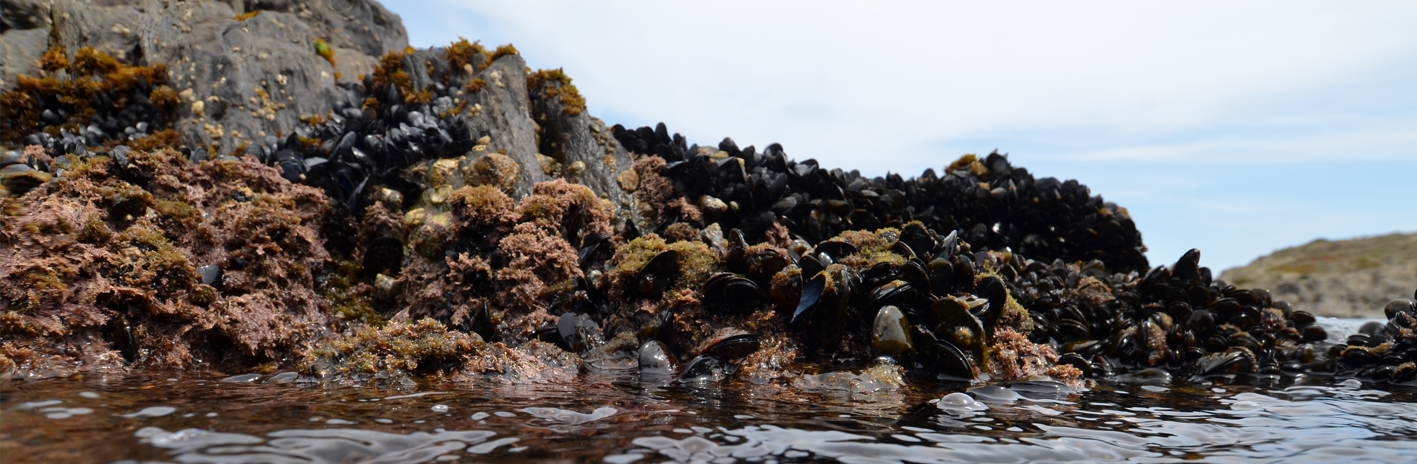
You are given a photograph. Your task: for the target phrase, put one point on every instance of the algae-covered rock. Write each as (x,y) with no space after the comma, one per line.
(98,258)
(399,352)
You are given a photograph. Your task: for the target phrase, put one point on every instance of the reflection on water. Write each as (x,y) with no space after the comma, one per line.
(620,421)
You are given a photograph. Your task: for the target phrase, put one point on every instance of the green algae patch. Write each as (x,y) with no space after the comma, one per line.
(400,351)
(696,261)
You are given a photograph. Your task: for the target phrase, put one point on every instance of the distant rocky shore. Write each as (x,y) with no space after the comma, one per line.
(1337,278)
(262,186)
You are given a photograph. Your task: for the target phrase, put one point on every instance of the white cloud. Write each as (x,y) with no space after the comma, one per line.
(951,70)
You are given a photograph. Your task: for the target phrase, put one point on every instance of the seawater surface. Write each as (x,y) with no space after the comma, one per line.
(261,418)
(603,419)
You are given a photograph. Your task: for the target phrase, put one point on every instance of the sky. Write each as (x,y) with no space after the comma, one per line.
(1238,128)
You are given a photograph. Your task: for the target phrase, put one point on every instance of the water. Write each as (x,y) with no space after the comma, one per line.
(195,419)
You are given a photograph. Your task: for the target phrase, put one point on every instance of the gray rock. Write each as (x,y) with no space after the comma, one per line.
(246,80)
(500,110)
(572,137)
(224,66)
(20,50)
(24,36)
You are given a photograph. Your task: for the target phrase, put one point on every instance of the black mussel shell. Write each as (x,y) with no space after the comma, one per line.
(811,295)
(1229,362)
(211,275)
(918,238)
(120,333)
(836,249)
(890,333)
(942,276)
(1301,318)
(1313,333)
(992,288)
(1399,306)
(763,263)
(810,266)
(578,333)
(902,249)
(913,272)
(942,358)
(954,323)
(1076,360)
(658,274)
(1188,267)
(733,347)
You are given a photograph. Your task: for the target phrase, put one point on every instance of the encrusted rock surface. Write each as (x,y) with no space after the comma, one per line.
(207,186)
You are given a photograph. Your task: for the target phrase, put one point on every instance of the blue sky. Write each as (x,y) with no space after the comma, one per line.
(1237,129)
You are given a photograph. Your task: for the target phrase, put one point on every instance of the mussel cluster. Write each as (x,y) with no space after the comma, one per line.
(1383,352)
(992,204)
(368,137)
(1179,319)
(921,299)
(99,102)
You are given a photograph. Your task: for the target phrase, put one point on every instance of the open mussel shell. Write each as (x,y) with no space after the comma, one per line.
(811,296)
(657,274)
(890,333)
(836,249)
(953,323)
(732,293)
(1228,362)
(704,369)
(941,358)
(733,347)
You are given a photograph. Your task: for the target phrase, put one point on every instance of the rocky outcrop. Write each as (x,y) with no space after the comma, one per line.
(249,72)
(1342,278)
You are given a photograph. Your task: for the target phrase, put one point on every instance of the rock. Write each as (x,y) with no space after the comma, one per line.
(1342,278)
(244,76)
(24,35)
(570,135)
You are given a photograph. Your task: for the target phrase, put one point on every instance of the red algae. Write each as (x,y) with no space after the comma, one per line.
(537,264)
(100,258)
